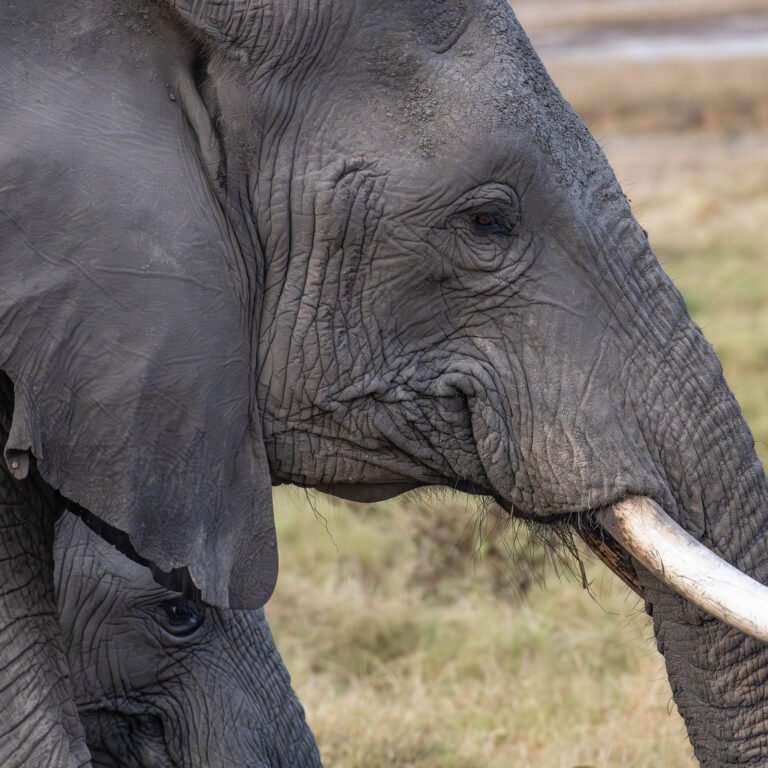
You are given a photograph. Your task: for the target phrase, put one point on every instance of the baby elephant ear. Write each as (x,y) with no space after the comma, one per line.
(126,310)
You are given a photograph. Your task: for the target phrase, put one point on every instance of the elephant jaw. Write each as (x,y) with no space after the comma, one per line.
(639,528)
(370,493)
(642,529)
(366,493)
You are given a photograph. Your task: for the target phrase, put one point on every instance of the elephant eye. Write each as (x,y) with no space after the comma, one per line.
(183,616)
(489,223)
(482,229)
(490,212)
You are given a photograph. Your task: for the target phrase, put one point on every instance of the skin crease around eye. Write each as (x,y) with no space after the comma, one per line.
(489,205)
(476,240)
(482,227)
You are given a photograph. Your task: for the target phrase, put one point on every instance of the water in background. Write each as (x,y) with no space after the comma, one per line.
(741,36)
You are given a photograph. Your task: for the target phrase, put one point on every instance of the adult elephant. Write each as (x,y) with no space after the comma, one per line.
(162,681)
(358,246)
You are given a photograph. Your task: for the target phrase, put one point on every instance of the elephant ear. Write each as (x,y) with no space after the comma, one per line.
(126,310)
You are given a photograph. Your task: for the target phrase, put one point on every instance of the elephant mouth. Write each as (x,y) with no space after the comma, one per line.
(638,529)
(608,550)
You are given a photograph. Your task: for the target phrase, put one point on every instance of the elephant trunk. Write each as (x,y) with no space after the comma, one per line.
(718,493)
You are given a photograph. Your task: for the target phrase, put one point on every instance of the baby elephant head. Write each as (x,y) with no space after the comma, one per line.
(162,681)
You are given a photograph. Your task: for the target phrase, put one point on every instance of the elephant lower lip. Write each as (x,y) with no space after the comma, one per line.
(510,508)
(373,492)
(367,493)
(522,514)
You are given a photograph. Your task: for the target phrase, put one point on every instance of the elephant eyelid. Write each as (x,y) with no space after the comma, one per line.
(487,220)
(181,617)
(490,210)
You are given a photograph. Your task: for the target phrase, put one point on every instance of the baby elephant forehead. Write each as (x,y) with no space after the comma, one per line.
(79,550)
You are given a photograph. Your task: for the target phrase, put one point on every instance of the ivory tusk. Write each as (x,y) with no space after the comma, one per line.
(687,566)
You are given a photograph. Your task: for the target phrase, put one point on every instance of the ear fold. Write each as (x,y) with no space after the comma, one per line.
(126,310)
(227,21)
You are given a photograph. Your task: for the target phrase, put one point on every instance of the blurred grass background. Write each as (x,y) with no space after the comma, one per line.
(422,633)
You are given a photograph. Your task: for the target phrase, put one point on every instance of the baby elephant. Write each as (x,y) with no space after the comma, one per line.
(160,681)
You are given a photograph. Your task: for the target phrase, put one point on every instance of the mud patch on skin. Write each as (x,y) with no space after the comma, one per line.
(441,23)
(392,60)
(420,108)
(526,96)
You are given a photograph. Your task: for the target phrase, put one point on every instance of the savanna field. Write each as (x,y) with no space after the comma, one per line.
(425,631)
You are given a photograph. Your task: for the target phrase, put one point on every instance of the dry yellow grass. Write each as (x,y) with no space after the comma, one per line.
(678,96)
(675,95)
(463,675)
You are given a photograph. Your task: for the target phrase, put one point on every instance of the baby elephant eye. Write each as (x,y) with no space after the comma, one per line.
(183,616)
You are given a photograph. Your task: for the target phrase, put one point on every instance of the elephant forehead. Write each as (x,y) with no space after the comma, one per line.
(475,91)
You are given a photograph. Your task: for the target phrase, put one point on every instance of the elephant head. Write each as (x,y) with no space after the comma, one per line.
(160,680)
(363,247)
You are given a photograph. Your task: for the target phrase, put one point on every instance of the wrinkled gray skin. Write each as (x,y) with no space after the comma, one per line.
(354,245)
(160,681)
